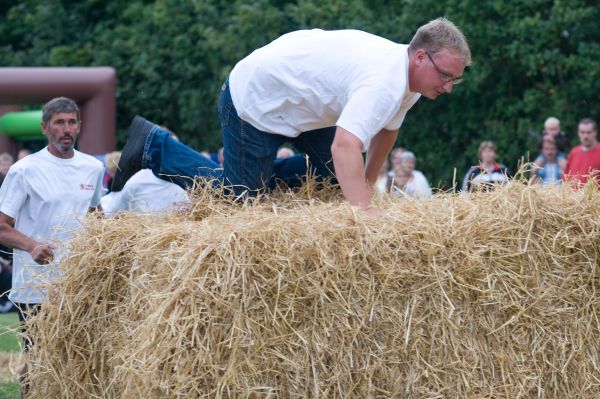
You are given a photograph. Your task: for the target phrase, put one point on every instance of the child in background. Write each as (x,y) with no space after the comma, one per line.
(548,167)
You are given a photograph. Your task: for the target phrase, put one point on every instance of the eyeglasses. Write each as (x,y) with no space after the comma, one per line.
(445,77)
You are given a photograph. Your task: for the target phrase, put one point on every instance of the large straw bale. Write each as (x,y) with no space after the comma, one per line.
(482,295)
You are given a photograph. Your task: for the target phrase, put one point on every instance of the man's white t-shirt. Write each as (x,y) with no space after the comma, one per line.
(48,197)
(312,79)
(144,192)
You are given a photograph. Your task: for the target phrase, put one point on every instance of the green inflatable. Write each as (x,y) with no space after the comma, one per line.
(23,125)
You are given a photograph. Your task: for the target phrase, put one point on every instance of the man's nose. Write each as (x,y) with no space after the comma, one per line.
(448,86)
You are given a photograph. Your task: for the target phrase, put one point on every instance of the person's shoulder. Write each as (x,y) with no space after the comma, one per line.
(419,175)
(540,161)
(87,159)
(143,176)
(143,180)
(83,157)
(474,169)
(499,168)
(578,149)
(35,160)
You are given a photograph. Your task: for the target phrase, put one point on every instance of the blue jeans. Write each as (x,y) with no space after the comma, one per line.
(250,155)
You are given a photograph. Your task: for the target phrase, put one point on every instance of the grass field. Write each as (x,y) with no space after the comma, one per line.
(8,340)
(10,349)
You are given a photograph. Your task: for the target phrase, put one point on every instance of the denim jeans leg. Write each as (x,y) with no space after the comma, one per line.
(316,144)
(290,171)
(249,152)
(173,161)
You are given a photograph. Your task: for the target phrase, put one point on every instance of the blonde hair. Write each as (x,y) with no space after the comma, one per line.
(111,162)
(440,34)
(485,144)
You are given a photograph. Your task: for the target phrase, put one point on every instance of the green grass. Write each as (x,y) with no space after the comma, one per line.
(10,390)
(9,342)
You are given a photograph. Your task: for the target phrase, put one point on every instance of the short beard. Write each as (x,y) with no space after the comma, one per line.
(64,149)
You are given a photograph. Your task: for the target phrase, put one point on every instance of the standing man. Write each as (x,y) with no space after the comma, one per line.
(42,200)
(331,94)
(584,160)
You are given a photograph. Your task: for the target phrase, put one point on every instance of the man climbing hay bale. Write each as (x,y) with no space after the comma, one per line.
(331,94)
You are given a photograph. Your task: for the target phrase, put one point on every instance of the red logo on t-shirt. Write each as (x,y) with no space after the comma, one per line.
(89,187)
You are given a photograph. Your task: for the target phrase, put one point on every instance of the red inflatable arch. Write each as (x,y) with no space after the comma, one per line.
(92,88)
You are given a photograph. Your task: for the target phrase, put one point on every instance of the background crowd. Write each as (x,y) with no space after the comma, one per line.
(554,162)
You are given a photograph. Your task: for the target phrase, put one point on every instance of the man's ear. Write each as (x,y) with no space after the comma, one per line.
(44,127)
(420,55)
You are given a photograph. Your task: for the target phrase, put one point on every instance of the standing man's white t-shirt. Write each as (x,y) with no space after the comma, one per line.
(313,79)
(144,192)
(48,197)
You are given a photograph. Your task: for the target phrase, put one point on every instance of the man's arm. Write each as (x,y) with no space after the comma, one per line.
(378,151)
(346,152)
(41,253)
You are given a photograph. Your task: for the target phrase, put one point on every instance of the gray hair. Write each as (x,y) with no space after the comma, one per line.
(407,155)
(551,121)
(58,105)
(441,34)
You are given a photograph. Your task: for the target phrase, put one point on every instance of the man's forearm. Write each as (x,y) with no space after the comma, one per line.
(41,253)
(15,239)
(351,178)
(378,151)
(350,169)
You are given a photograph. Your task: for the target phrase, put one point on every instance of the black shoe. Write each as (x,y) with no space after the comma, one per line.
(131,157)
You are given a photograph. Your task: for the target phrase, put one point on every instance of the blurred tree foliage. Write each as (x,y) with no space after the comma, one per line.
(532,59)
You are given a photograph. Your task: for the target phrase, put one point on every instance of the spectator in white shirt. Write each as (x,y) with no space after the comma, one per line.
(145,193)
(43,200)
(410,181)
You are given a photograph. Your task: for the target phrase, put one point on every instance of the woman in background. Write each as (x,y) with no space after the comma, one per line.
(487,172)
